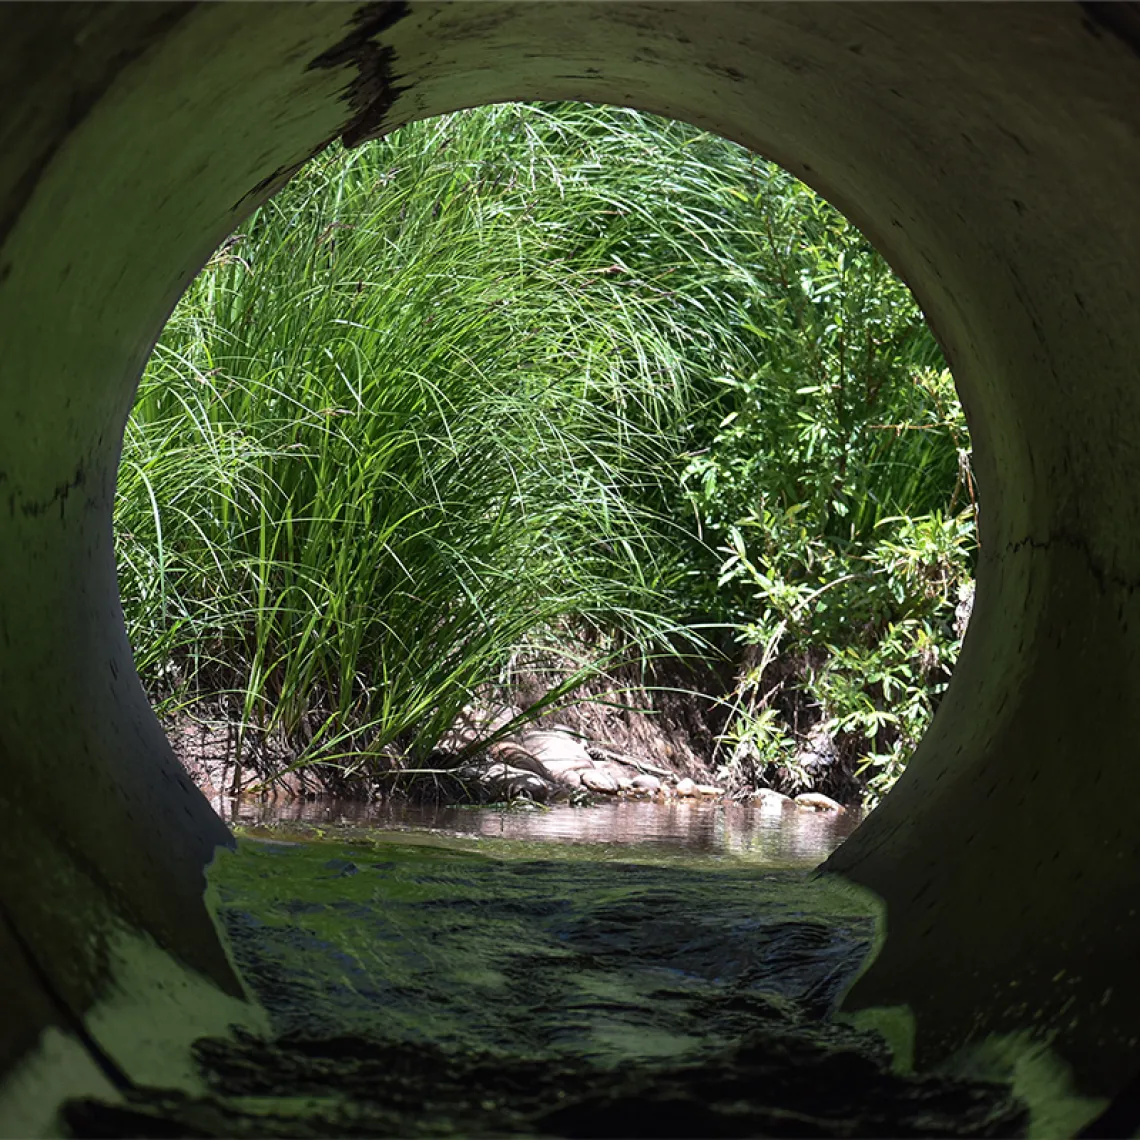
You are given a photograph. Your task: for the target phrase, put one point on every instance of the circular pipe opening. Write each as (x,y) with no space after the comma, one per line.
(987,152)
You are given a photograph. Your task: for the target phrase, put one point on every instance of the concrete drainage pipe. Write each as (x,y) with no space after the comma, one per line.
(992,152)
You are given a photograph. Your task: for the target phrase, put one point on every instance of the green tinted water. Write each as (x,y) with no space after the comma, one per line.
(599,951)
(547,974)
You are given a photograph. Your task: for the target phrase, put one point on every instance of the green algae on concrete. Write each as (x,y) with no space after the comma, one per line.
(428,985)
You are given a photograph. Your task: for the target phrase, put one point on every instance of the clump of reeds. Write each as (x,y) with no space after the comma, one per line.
(490,378)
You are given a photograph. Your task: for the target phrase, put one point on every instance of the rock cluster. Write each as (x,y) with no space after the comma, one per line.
(542,764)
(551,763)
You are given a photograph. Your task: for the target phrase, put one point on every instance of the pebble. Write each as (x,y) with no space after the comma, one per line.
(599,781)
(769,797)
(502,779)
(645,783)
(556,749)
(507,752)
(813,801)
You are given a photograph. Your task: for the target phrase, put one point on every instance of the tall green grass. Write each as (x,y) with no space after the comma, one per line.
(501,375)
(403,422)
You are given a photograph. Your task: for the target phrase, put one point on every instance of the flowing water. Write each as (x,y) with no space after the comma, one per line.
(627,969)
(763,836)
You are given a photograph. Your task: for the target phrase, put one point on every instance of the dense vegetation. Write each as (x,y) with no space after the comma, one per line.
(554,376)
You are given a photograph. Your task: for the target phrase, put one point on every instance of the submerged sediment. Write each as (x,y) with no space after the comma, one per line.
(420,989)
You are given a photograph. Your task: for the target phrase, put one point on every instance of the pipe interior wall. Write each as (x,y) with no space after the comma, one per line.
(991,151)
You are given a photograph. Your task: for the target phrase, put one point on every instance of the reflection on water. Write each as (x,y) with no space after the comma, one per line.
(773,835)
(630,969)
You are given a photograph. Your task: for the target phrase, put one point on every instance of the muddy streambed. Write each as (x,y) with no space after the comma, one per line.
(631,969)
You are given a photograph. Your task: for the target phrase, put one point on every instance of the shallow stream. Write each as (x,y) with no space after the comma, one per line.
(686,829)
(629,969)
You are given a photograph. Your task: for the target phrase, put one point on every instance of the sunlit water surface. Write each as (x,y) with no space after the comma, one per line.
(760,835)
(627,969)
(616,933)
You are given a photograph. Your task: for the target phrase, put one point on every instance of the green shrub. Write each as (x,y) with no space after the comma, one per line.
(527,369)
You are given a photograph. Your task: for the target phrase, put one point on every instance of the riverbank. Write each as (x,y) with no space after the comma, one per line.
(578,426)
(622,738)
(540,765)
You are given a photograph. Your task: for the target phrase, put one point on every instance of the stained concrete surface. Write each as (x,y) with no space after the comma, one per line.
(991,151)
